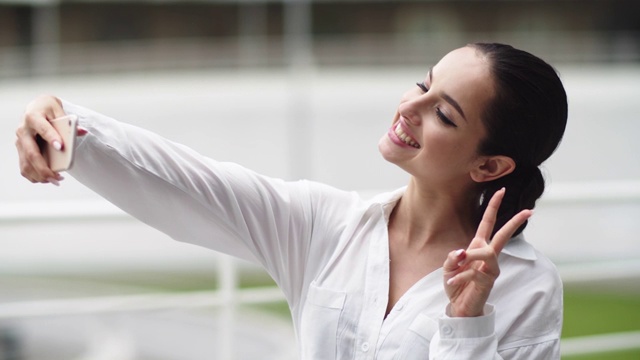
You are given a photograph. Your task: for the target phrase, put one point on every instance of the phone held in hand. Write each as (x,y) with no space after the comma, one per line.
(61,160)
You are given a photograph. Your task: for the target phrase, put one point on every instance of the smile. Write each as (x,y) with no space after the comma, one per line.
(404,137)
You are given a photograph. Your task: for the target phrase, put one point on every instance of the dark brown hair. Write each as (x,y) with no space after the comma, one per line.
(525,120)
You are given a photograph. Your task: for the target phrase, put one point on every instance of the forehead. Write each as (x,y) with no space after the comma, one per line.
(464,74)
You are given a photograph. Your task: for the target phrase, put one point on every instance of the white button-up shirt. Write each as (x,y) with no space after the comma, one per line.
(327,249)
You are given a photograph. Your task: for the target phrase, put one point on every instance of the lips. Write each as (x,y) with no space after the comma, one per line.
(405,138)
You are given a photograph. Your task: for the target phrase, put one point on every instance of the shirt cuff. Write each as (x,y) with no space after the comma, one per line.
(467,327)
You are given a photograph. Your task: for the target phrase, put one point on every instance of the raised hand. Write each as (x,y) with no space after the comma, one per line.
(469,274)
(35,122)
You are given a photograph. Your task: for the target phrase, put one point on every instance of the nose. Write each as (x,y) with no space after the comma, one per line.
(408,109)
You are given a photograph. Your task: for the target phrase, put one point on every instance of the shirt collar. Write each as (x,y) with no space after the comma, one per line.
(517,247)
(520,248)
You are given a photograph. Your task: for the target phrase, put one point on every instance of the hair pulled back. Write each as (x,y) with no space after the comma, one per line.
(525,121)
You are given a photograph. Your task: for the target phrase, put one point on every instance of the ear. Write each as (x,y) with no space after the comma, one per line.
(492,167)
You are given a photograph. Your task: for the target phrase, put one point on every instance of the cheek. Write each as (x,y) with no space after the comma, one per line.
(450,149)
(437,136)
(395,117)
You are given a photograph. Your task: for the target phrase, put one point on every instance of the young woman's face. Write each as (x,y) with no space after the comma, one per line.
(437,128)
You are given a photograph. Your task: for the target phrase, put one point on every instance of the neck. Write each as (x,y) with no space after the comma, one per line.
(426,216)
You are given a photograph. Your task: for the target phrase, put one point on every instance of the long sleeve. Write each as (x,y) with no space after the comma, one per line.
(525,322)
(475,338)
(221,206)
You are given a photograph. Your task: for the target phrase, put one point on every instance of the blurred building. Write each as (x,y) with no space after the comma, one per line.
(78,36)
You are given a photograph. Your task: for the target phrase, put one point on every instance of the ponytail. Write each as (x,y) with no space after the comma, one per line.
(523,187)
(525,121)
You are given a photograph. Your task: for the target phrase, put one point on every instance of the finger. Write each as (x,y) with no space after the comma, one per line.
(480,278)
(33,166)
(53,181)
(38,124)
(27,171)
(50,105)
(454,259)
(503,235)
(489,217)
(57,109)
(485,259)
(81,131)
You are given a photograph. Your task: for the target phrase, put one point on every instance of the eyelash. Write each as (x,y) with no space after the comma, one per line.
(439,113)
(422,86)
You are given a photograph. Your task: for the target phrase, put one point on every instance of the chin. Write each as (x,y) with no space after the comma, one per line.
(385,147)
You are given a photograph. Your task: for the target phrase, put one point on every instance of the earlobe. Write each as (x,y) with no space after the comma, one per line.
(493,167)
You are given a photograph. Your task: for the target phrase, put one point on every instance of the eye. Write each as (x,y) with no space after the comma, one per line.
(444,118)
(422,86)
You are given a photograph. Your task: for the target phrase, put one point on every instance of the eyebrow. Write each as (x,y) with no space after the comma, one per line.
(448,98)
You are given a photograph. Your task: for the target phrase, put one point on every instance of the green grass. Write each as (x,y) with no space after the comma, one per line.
(587,313)
(621,355)
(590,313)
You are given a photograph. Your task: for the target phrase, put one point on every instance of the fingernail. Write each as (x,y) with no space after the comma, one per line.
(53,181)
(451,281)
(459,253)
(56,145)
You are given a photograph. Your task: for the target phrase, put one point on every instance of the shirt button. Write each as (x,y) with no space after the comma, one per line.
(365,347)
(447,330)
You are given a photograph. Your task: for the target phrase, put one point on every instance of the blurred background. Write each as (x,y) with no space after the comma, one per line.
(292,89)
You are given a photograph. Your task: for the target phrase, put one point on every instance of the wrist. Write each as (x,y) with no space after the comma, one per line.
(462,311)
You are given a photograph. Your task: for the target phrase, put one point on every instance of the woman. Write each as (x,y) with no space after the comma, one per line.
(411,274)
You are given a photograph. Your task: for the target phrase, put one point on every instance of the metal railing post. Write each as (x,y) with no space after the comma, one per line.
(228,286)
(298,49)
(45,53)
(252,34)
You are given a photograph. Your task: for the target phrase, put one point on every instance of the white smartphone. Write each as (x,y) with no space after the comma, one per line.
(61,160)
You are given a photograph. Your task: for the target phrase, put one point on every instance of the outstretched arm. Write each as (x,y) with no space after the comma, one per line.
(221,206)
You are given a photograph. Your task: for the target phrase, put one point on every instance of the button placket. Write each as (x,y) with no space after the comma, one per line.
(374,293)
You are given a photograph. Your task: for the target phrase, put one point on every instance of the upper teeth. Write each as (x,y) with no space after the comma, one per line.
(405,138)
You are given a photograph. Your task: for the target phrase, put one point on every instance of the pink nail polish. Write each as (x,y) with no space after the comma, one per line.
(451,281)
(53,181)
(56,145)
(459,252)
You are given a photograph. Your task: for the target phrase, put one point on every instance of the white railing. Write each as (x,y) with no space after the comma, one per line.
(592,192)
(600,344)
(145,302)
(228,295)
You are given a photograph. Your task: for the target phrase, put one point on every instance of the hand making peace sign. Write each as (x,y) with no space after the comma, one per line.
(469,274)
